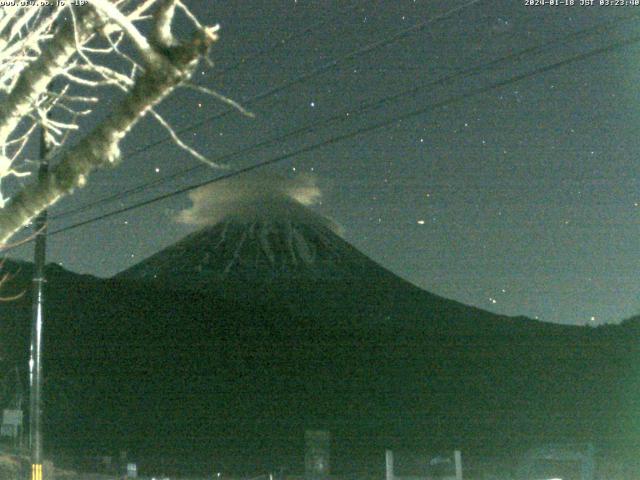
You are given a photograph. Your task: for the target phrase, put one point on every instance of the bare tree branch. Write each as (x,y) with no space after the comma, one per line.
(148,53)
(80,49)
(100,148)
(222,98)
(34,80)
(191,151)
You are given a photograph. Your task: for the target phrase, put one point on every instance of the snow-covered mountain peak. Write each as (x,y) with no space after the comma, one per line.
(257,228)
(269,235)
(254,247)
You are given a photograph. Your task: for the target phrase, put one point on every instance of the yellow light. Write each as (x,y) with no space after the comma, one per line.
(36,471)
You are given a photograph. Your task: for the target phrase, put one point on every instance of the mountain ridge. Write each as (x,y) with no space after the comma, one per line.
(239,369)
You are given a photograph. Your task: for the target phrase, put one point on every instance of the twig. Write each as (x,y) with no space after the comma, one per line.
(181,144)
(222,98)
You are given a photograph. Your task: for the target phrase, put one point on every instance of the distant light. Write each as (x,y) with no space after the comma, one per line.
(420,222)
(313,104)
(593,319)
(157,170)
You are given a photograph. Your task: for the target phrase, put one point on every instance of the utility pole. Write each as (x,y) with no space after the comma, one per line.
(37,318)
(457,456)
(389,463)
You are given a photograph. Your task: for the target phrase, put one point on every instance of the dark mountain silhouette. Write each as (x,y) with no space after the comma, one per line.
(285,240)
(221,350)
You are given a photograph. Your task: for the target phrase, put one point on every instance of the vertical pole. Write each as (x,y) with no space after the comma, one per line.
(20,406)
(317,456)
(35,360)
(457,455)
(389,463)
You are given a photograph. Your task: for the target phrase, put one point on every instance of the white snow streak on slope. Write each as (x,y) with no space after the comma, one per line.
(290,249)
(236,254)
(303,249)
(264,243)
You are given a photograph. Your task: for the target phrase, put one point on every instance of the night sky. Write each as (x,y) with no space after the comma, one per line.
(522,199)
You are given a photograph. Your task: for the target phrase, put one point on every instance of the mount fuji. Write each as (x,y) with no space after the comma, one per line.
(273,250)
(264,322)
(281,239)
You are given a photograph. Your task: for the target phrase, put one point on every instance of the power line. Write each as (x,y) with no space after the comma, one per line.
(367,129)
(317,71)
(234,66)
(365,49)
(350,113)
(281,42)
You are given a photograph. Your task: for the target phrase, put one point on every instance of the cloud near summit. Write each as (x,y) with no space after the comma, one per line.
(256,193)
